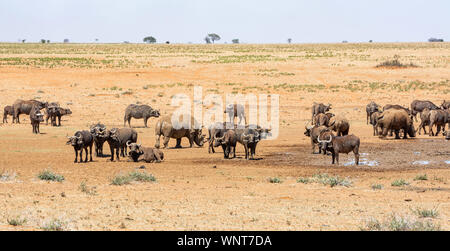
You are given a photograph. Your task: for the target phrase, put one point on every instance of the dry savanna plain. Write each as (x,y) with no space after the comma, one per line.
(400,184)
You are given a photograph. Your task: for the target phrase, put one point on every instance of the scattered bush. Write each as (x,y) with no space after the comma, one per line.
(395,63)
(303,180)
(426,213)
(120,180)
(54,225)
(50,176)
(17,221)
(377,186)
(275,180)
(399,183)
(6,176)
(400,223)
(421,177)
(88,190)
(325,179)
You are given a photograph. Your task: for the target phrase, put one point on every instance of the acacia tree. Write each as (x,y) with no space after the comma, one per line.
(150,40)
(214,37)
(289,40)
(235,41)
(207,40)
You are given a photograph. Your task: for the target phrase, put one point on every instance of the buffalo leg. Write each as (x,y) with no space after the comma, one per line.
(166,141)
(87,154)
(333,157)
(179,143)
(76,155)
(397,134)
(356,152)
(112,152)
(96,150)
(211,145)
(225,155)
(234,151)
(90,152)
(438,130)
(145,122)
(81,155)
(337,159)
(59,120)
(246,151)
(157,143)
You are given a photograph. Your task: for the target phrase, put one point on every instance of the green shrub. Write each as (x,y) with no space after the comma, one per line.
(126,179)
(275,180)
(54,225)
(17,221)
(399,183)
(50,176)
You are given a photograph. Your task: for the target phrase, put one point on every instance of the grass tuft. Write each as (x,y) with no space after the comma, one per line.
(17,221)
(421,177)
(54,225)
(275,180)
(137,176)
(399,183)
(86,189)
(50,176)
(400,223)
(426,213)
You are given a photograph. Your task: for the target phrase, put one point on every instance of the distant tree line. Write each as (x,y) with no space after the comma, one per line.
(433,40)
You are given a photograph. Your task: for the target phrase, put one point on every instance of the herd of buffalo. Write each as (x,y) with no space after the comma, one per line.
(328,131)
(388,120)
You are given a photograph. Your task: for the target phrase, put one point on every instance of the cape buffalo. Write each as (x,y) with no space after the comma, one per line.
(24,107)
(146,154)
(371,108)
(249,138)
(374,122)
(344,144)
(324,135)
(48,109)
(165,128)
(417,106)
(81,140)
(396,120)
(313,132)
(424,120)
(217,130)
(322,119)
(139,112)
(235,111)
(8,110)
(438,118)
(36,117)
(118,139)
(56,113)
(319,108)
(98,132)
(228,142)
(397,107)
(340,125)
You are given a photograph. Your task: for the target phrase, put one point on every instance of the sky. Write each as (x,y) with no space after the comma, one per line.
(250,21)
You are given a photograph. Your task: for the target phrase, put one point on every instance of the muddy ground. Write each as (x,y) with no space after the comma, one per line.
(195,190)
